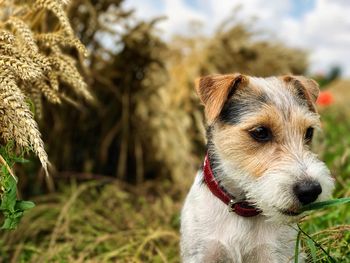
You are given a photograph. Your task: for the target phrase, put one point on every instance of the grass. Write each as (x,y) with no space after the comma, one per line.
(330,227)
(108,221)
(98,222)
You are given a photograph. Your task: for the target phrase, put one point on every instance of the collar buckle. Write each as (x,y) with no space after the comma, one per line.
(231,206)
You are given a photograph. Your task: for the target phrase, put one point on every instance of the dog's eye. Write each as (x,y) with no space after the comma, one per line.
(261,134)
(309,134)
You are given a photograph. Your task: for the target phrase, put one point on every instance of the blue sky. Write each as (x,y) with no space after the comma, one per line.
(320,26)
(301,7)
(298,7)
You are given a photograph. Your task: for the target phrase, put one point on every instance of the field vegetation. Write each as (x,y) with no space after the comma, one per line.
(96,97)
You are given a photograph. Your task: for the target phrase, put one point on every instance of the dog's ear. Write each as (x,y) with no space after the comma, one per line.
(305,89)
(215,90)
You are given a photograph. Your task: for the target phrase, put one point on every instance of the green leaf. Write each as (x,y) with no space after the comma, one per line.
(24,205)
(320,205)
(9,195)
(12,220)
(11,208)
(7,224)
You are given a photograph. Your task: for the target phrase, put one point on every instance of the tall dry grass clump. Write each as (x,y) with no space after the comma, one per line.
(235,48)
(144,133)
(33,64)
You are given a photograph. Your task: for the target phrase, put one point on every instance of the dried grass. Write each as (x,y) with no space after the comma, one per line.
(98,222)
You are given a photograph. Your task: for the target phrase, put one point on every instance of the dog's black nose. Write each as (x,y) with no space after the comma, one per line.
(307,191)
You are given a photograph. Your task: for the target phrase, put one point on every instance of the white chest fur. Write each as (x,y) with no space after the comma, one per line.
(209,233)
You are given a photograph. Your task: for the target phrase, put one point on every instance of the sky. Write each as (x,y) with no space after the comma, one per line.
(320,26)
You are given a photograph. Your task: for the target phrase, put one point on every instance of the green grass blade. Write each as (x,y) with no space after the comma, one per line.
(312,248)
(320,205)
(296,251)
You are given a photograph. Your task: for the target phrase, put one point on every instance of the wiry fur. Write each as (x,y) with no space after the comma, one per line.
(262,173)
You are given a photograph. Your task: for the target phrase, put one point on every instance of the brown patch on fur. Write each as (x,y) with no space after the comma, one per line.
(235,143)
(214,91)
(269,116)
(304,88)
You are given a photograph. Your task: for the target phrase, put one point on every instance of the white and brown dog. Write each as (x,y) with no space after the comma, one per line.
(258,172)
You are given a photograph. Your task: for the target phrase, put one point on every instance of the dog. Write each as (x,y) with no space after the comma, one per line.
(258,172)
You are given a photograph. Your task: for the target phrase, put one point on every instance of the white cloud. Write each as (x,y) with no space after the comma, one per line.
(211,12)
(145,9)
(324,30)
(178,14)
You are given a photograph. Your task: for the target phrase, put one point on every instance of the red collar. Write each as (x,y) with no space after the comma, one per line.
(242,208)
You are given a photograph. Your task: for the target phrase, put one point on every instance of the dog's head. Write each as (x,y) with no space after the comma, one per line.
(261,130)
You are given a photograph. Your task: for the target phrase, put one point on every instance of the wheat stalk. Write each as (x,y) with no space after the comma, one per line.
(33,66)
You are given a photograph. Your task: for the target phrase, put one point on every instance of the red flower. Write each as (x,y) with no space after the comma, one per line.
(325,98)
